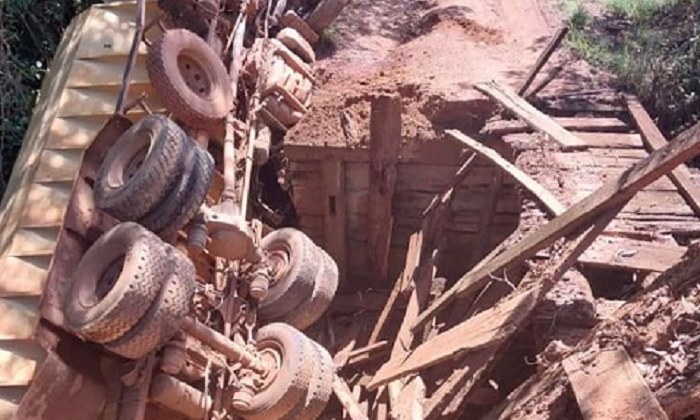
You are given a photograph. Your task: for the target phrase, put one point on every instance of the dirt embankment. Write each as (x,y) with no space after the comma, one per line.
(432,53)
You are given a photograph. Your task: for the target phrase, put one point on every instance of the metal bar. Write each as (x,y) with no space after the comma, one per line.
(247,177)
(133,52)
(229,193)
(135,397)
(220,343)
(180,397)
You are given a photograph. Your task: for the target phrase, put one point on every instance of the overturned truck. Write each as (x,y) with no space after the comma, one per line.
(146,272)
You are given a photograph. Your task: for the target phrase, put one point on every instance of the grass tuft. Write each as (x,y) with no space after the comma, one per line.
(652,47)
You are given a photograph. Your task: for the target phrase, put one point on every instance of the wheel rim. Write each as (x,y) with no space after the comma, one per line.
(272,359)
(195,75)
(131,158)
(89,297)
(279,257)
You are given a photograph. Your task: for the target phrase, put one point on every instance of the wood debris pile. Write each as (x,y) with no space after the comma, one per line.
(495,344)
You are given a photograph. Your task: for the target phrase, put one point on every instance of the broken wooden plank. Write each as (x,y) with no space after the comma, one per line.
(457,179)
(335,213)
(609,386)
(531,115)
(385,142)
(367,353)
(412,260)
(410,402)
(630,254)
(486,329)
(495,326)
(550,202)
(660,305)
(617,191)
(599,125)
(543,58)
(573,105)
(344,395)
(654,140)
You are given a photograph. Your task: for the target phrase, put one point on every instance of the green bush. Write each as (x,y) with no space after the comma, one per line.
(30,31)
(652,47)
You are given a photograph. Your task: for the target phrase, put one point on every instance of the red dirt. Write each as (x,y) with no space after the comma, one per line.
(432,53)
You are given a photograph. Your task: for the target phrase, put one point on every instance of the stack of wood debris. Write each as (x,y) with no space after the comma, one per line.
(520,336)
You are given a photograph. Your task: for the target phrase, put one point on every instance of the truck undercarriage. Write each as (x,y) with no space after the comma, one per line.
(174,285)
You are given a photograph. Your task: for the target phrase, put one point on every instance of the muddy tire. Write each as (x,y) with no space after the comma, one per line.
(325,286)
(163,318)
(200,182)
(190,78)
(325,13)
(141,168)
(320,388)
(180,206)
(287,389)
(115,283)
(297,264)
(292,39)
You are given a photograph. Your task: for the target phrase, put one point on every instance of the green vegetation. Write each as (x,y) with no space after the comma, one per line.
(30,31)
(652,46)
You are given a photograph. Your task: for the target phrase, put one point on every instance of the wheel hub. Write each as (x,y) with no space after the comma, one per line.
(279,260)
(272,360)
(135,164)
(195,75)
(109,279)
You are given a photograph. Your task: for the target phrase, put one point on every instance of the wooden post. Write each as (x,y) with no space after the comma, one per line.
(385,143)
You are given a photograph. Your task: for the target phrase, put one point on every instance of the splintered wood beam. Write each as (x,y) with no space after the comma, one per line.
(421,278)
(531,115)
(494,327)
(654,140)
(412,260)
(619,190)
(385,144)
(609,386)
(344,395)
(543,58)
(410,401)
(551,204)
(335,213)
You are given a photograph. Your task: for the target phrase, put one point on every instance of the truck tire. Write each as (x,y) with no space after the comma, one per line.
(297,264)
(141,168)
(325,13)
(190,78)
(115,283)
(325,286)
(320,388)
(292,39)
(163,214)
(200,182)
(287,388)
(163,318)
